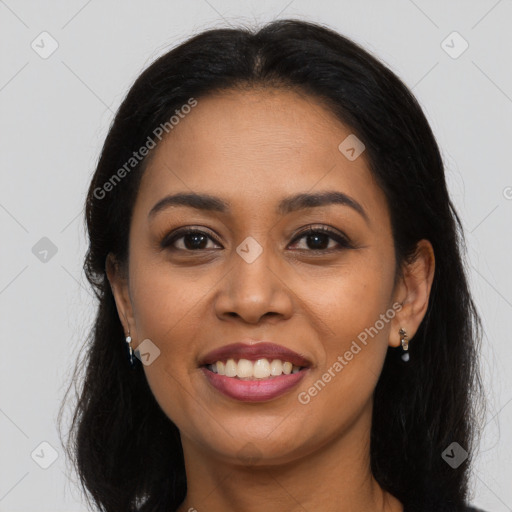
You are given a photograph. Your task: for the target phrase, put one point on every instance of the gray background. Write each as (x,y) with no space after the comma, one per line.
(55,113)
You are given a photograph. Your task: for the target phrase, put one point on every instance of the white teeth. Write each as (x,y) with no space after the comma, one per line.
(244,368)
(276,367)
(260,369)
(231,368)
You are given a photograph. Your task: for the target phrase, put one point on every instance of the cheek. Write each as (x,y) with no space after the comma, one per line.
(165,302)
(352,298)
(355,311)
(167,311)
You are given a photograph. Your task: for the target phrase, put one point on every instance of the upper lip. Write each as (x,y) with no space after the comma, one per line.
(253,352)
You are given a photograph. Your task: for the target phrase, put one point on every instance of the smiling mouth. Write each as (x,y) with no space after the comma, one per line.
(260,369)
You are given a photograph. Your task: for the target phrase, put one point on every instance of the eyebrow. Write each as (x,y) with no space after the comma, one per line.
(290,204)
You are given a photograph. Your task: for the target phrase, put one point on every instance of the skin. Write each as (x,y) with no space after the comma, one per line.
(253,148)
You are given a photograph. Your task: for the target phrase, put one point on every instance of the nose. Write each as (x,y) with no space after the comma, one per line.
(253,290)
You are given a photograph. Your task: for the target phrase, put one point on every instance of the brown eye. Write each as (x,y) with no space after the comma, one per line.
(193,240)
(318,239)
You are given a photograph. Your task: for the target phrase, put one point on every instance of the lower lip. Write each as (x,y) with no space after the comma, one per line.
(253,390)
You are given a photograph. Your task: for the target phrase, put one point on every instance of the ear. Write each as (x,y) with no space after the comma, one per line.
(413,291)
(118,280)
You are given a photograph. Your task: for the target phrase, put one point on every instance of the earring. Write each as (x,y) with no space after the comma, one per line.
(404,340)
(131,358)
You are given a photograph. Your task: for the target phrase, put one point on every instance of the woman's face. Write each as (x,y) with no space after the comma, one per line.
(252,275)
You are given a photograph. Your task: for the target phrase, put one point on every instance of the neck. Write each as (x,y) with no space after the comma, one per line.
(337,476)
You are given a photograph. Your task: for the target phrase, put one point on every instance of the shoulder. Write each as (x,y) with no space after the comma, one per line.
(474,509)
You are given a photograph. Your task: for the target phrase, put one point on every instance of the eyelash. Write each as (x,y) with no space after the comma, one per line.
(343,241)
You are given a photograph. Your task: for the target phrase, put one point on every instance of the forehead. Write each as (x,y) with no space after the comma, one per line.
(257,146)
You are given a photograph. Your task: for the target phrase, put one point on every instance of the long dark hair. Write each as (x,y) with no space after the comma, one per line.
(127,452)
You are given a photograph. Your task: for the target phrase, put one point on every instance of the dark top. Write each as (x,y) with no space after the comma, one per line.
(467,509)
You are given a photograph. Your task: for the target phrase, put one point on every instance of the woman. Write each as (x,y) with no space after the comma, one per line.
(284,321)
